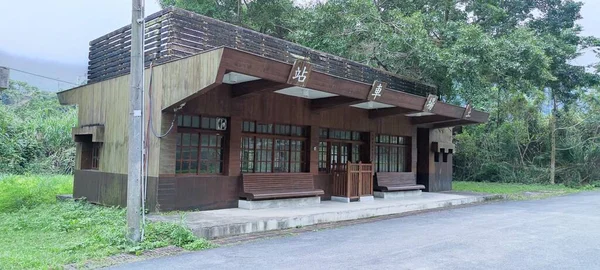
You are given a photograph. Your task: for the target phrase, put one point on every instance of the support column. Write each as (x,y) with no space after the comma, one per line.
(313,144)
(234,146)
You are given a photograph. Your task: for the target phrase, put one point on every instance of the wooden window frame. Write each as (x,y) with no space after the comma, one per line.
(202,126)
(356,140)
(397,153)
(218,148)
(254,132)
(95,156)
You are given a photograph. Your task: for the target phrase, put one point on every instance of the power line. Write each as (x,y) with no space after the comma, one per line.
(49,78)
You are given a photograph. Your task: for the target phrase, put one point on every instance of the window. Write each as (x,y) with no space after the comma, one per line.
(90,154)
(199,147)
(338,146)
(273,148)
(95,156)
(392,153)
(323,156)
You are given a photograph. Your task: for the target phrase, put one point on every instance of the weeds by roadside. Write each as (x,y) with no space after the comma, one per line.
(36,232)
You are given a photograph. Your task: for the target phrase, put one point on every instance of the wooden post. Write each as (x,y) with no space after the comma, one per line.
(348,181)
(134,174)
(359,179)
(4,75)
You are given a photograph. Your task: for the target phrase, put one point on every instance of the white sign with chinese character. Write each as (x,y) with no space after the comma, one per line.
(468,110)
(300,73)
(430,103)
(376,90)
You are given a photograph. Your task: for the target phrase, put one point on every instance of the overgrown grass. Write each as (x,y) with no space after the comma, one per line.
(19,191)
(40,233)
(514,190)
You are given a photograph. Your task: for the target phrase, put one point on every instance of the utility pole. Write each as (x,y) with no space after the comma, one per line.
(134,175)
(4,75)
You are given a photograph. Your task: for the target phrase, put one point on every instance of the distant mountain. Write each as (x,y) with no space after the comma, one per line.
(65,72)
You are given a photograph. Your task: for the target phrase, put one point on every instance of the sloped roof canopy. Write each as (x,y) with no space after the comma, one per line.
(250,74)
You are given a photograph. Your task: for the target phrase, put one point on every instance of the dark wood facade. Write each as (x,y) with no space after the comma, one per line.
(222,191)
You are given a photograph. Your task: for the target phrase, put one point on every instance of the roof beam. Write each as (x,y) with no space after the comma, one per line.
(378,113)
(430,119)
(255,88)
(333,102)
(258,66)
(457,122)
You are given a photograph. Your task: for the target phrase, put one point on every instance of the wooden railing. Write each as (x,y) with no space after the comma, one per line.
(352,180)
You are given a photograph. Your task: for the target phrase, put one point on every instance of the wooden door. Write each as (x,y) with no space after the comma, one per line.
(339,153)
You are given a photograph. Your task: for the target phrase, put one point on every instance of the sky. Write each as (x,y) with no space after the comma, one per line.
(59,31)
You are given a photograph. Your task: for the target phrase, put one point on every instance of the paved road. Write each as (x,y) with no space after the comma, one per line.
(556,233)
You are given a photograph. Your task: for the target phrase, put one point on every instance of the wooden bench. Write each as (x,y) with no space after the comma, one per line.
(260,186)
(396,182)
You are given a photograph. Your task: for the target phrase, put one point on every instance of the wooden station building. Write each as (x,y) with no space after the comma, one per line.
(248,116)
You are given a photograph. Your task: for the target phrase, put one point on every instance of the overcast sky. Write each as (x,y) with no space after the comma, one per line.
(60,30)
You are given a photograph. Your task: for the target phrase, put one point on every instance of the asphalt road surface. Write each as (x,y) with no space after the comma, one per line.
(556,233)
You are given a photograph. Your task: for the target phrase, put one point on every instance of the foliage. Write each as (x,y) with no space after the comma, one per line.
(510,58)
(517,149)
(35,131)
(71,232)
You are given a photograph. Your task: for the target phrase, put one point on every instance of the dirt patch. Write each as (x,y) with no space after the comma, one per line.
(127,258)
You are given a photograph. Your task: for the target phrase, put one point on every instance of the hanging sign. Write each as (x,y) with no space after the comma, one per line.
(430,103)
(468,109)
(300,73)
(221,124)
(376,90)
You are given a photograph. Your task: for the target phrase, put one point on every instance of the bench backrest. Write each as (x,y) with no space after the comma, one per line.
(395,179)
(254,182)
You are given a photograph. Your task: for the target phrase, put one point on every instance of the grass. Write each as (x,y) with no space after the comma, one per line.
(36,232)
(515,190)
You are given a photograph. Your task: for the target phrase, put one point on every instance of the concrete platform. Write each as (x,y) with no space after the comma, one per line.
(227,222)
(281,203)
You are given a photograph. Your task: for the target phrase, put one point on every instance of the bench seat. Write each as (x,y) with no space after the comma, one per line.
(261,186)
(396,182)
(283,194)
(399,188)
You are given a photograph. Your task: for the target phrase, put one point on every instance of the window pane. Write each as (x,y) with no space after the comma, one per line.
(194,153)
(185,166)
(187,120)
(213,140)
(212,123)
(193,166)
(194,139)
(204,140)
(323,133)
(205,123)
(180,120)
(186,139)
(196,121)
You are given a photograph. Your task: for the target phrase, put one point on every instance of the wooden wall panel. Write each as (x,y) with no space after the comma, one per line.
(216,102)
(198,192)
(174,78)
(107,103)
(324,182)
(109,188)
